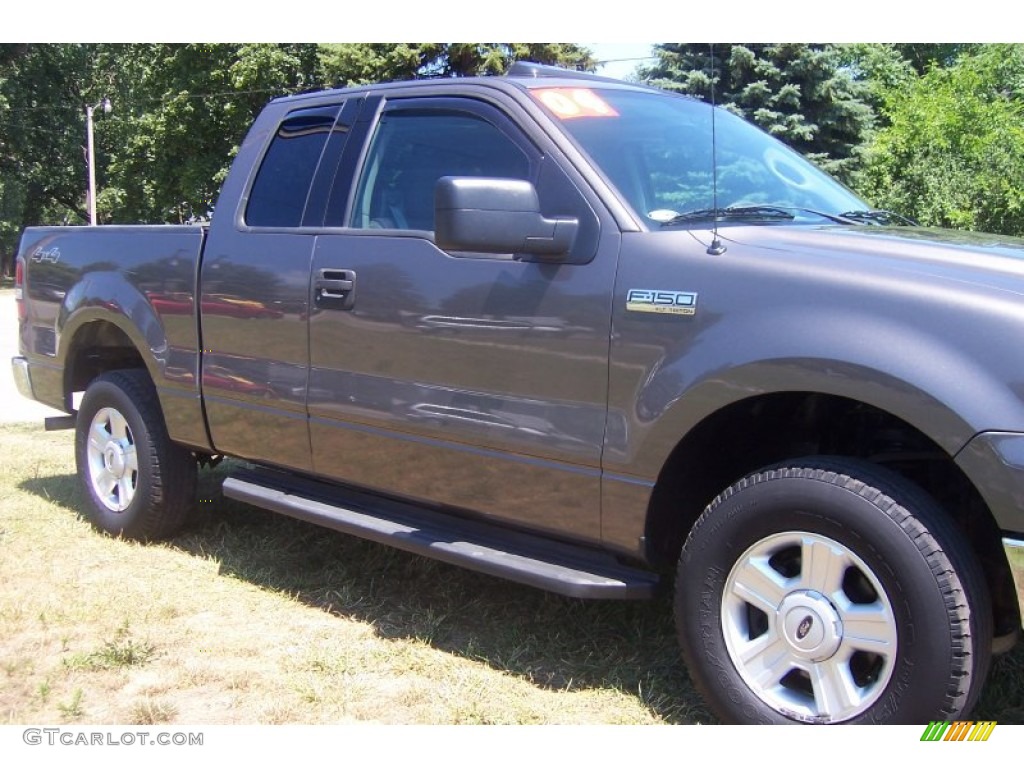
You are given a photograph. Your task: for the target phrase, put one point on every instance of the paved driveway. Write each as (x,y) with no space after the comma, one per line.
(14,407)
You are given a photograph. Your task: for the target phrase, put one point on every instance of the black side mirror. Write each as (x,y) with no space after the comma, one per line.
(485,215)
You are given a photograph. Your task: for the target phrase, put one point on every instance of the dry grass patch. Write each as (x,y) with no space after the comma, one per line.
(248,617)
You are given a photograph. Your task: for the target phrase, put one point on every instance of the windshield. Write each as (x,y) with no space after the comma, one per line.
(655,148)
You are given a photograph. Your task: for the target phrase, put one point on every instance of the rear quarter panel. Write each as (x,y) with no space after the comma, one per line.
(140,279)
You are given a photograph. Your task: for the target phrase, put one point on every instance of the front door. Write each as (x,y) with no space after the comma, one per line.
(470,381)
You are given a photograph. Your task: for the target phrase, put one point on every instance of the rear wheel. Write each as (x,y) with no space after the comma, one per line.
(136,482)
(831,591)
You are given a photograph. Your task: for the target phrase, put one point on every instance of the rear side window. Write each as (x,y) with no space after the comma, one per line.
(278,196)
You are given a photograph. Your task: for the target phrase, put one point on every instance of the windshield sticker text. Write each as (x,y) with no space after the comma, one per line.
(569,103)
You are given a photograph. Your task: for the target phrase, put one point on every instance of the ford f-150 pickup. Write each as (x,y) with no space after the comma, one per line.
(585,335)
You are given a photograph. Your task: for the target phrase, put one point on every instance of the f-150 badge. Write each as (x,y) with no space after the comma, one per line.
(662,302)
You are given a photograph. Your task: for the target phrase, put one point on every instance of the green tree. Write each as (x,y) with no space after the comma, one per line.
(879,67)
(924,56)
(361,63)
(800,93)
(952,150)
(43,92)
(180,113)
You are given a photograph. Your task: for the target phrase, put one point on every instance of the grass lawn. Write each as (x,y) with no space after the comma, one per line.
(249,617)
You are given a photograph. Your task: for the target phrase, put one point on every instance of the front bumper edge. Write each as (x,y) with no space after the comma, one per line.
(1014,549)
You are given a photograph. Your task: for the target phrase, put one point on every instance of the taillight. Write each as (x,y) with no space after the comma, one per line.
(19,288)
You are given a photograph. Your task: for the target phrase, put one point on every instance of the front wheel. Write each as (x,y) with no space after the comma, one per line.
(831,591)
(136,482)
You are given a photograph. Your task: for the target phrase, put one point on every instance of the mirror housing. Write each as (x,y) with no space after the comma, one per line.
(487,215)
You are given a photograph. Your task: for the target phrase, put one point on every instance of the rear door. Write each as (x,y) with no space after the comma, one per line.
(255,292)
(467,380)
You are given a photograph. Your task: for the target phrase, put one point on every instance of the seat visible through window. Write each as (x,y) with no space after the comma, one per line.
(411,151)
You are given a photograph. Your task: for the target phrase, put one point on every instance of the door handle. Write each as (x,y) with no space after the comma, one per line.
(335,288)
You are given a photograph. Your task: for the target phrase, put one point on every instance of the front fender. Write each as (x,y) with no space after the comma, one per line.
(935,385)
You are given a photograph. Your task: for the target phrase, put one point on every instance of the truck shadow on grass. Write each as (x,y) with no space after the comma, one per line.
(555,643)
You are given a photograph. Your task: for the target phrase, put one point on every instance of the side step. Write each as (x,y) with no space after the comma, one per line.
(569,570)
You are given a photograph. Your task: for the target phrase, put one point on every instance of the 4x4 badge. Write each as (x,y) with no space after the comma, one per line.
(51,255)
(661,302)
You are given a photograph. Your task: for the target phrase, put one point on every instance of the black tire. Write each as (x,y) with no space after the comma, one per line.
(832,590)
(137,483)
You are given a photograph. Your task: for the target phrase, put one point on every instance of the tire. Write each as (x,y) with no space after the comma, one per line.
(137,484)
(831,591)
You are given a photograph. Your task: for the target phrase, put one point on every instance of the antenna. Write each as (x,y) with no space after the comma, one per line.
(717,248)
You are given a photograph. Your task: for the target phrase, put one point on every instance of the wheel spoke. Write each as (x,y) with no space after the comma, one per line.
(834,691)
(822,566)
(98,437)
(125,490)
(768,660)
(869,628)
(104,482)
(762,652)
(131,460)
(118,426)
(756,582)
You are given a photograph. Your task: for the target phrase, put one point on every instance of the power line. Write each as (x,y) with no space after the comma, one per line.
(162,102)
(250,92)
(623,61)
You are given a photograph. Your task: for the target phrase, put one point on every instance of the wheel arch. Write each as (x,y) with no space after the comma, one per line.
(781,426)
(96,347)
(126,332)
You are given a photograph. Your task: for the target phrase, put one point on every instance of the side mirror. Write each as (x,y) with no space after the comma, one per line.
(486,215)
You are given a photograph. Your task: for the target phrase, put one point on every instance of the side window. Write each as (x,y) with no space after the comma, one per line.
(412,149)
(278,196)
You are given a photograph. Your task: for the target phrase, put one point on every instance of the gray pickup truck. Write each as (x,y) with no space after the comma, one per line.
(587,336)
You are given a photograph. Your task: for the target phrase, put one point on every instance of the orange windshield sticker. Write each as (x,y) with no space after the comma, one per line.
(568,103)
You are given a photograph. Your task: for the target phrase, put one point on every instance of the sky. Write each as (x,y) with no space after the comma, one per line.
(622,58)
(529,20)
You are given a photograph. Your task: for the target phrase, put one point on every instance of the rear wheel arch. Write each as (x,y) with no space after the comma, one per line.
(95,348)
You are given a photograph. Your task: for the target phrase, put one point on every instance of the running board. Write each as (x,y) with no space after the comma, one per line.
(566,569)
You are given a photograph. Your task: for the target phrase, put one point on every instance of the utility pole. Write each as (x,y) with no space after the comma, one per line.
(90,159)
